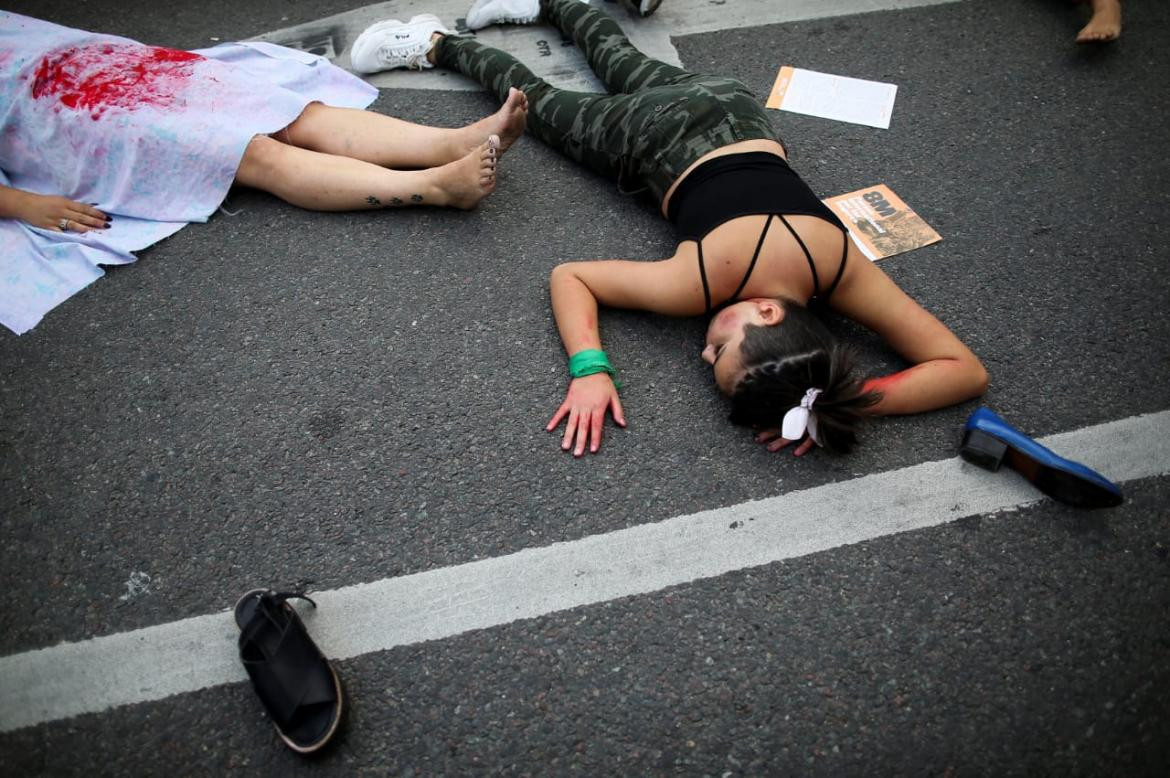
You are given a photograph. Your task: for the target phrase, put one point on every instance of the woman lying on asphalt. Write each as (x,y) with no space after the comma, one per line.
(756,246)
(96,126)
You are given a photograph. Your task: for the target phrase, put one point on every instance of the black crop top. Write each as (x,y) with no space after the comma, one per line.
(748,184)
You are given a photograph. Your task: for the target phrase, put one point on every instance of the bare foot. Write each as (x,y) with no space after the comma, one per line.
(508,122)
(471,178)
(1105,25)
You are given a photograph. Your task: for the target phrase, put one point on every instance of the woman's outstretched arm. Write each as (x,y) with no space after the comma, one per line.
(49,212)
(943,371)
(577,289)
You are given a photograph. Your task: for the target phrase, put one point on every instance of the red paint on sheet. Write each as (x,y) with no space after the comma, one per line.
(101,76)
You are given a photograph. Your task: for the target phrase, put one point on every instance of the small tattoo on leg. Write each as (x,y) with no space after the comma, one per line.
(396,201)
(373,200)
(416,198)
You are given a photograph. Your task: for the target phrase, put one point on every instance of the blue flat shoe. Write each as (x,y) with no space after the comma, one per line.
(989,441)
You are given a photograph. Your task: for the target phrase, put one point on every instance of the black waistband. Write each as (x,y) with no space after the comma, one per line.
(727,187)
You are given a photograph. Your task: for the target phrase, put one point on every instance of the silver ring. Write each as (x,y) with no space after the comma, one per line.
(64,225)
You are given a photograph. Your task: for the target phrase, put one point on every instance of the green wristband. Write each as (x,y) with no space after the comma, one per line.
(588,362)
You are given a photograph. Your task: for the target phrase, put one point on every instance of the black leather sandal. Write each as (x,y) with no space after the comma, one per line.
(299,688)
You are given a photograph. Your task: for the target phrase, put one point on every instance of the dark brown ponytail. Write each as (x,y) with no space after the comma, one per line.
(783,361)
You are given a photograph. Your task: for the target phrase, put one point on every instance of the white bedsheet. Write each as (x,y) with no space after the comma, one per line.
(150,136)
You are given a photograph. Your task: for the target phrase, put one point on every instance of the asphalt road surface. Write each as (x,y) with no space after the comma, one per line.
(279,395)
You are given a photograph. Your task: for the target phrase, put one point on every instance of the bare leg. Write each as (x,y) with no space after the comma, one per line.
(383,140)
(327,182)
(1105,25)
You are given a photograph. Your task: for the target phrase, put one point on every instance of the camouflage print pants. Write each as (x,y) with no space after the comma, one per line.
(659,120)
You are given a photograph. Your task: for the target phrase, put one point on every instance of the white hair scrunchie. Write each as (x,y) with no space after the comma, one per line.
(801,419)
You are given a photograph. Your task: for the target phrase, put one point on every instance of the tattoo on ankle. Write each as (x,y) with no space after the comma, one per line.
(396,201)
(373,200)
(416,198)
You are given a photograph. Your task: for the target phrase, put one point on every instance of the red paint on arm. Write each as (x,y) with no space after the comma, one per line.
(933,384)
(584,336)
(887,387)
(883,383)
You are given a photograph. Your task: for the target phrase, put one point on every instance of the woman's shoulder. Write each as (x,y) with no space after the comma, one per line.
(782,265)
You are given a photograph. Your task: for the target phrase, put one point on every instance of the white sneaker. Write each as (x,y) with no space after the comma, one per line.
(485,12)
(393,44)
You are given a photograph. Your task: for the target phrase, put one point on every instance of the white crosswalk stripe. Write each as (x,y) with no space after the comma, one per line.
(157,662)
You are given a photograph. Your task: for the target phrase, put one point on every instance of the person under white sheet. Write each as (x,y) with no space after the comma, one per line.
(108,145)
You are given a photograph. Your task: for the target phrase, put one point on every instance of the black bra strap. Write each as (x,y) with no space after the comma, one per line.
(703,275)
(807,255)
(752,264)
(841,267)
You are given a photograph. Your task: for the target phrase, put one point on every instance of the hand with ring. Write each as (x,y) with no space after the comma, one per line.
(60,214)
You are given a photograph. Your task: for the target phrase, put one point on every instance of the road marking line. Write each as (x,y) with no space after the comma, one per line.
(196,653)
(689,17)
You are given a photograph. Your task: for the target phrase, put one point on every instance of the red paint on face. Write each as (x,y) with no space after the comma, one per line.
(100,76)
